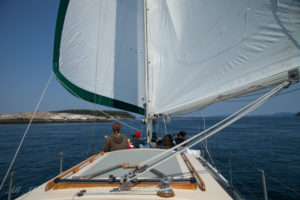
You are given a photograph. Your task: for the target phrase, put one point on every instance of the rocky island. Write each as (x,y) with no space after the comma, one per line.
(65,116)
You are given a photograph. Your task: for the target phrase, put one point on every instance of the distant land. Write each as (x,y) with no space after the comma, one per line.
(284,114)
(76,116)
(65,116)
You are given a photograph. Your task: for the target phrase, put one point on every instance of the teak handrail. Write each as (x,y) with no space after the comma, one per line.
(193,171)
(51,183)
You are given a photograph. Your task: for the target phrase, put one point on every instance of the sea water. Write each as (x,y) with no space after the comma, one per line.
(264,143)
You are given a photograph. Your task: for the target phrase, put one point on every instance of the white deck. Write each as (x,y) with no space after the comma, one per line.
(175,167)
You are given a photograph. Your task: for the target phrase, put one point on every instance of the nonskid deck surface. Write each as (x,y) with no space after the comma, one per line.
(171,167)
(175,167)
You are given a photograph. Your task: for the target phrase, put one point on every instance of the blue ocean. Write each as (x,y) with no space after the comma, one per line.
(256,143)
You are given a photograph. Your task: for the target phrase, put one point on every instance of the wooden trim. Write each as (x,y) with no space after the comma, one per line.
(167,195)
(193,171)
(75,169)
(187,186)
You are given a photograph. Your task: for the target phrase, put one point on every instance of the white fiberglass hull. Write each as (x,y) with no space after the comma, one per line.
(176,167)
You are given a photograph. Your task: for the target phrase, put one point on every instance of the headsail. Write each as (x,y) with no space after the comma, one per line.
(99,52)
(201,52)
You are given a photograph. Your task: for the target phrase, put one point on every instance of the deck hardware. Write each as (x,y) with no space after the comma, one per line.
(193,179)
(165,190)
(80,193)
(11,184)
(126,186)
(294,75)
(264,184)
(167,180)
(111,178)
(56,180)
(52,183)
(138,170)
(158,173)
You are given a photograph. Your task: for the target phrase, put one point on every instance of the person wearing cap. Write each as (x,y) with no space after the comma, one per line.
(116,141)
(136,140)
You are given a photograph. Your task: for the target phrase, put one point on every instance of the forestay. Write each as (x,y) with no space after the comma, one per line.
(201,52)
(98,54)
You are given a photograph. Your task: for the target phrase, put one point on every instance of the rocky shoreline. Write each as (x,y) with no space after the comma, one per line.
(51,117)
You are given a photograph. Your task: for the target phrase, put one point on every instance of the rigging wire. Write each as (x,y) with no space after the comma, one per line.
(91,142)
(163,157)
(205,142)
(26,131)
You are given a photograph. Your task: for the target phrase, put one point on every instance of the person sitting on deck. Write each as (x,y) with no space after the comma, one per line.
(135,140)
(166,142)
(117,141)
(180,137)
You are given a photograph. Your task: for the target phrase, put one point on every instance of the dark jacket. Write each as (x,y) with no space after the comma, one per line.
(115,142)
(166,142)
(136,142)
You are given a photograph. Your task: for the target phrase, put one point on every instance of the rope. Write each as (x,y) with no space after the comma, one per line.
(194,137)
(91,140)
(205,142)
(158,159)
(26,131)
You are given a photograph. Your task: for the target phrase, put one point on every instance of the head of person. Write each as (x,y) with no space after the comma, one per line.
(116,128)
(182,133)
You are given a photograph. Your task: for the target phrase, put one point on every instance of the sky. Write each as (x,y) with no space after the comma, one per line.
(26,48)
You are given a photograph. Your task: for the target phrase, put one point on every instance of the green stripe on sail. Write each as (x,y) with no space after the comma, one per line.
(73,89)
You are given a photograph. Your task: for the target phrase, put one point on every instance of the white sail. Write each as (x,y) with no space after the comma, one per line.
(201,52)
(99,52)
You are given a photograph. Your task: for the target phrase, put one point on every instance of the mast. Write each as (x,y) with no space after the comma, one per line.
(147,117)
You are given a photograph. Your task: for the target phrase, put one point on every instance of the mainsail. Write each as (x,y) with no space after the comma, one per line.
(199,52)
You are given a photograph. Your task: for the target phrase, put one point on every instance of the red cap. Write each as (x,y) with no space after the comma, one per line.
(138,134)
